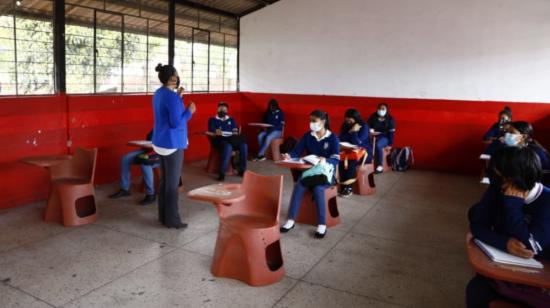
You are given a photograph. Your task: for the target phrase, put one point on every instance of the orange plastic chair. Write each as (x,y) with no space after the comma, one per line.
(214,161)
(72,197)
(308,210)
(364,185)
(505,304)
(275,146)
(248,247)
(385,160)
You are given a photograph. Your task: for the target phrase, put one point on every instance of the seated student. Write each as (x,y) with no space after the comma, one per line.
(276,117)
(227,138)
(382,122)
(127,161)
(520,133)
(495,134)
(513,216)
(320,141)
(355,131)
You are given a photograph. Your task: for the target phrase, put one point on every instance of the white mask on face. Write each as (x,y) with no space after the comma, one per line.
(315,126)
(382,112)
(511,140)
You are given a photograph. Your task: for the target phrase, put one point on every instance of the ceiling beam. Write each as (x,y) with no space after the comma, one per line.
(206,8)
(263,3)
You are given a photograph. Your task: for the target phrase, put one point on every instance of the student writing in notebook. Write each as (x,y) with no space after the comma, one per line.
(322,142)
(356,132)
(513,216)
(225,136)
(383,124)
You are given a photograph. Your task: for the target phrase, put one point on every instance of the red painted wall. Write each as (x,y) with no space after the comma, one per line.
(444,134)
(31,126)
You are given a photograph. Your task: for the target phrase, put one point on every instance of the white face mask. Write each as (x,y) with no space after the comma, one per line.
(511,140)
(315,126)
(382,112)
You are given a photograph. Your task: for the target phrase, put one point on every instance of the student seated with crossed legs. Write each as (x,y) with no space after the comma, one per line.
(320,141)
(276,117)
(383,123)
(226,137)
(513,216)
(354,131)
(133,158)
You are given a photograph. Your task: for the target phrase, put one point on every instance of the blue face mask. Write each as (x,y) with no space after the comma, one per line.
(511,140)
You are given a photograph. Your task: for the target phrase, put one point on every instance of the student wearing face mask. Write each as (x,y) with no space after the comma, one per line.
(494,135)
(383,123)
(520,134)
(276,117)
(319,141)
(354,131)
(513,216)
(498,129)
(169,141)
(226,138)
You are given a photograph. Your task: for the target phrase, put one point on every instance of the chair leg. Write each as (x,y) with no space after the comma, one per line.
(52,212)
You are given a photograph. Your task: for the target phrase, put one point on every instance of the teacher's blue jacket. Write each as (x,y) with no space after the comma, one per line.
(171,117)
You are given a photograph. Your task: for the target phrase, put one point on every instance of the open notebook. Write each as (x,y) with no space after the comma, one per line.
(347,145)
(310,159)
(500,256)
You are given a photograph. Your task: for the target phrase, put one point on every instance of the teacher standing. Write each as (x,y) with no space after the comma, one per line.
(169,141)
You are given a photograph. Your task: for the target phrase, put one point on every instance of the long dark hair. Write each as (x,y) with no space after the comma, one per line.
(525,128)
(271,104)
(320,114)
(354,114)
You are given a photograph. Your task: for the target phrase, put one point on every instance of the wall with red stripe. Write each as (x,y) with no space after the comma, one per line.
(445,134)
(31,126)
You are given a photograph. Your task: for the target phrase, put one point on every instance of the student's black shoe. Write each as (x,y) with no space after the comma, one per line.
(379,170)
(221,178)
(320,235)
(346,192)
(119,194)
(180,225)
(285,230)
(148,199)
(260,158)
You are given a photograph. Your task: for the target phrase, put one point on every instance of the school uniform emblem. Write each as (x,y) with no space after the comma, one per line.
(326,145)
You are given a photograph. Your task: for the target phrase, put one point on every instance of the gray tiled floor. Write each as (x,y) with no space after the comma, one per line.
(400,247)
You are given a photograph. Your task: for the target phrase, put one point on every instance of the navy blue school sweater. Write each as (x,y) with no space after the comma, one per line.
(495,131)
(275,118)
(544,160)
(328,147)
(497,218)
(226,124)
(386,127)
(360,138)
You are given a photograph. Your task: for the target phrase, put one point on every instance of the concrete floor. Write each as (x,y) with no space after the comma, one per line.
(403,247)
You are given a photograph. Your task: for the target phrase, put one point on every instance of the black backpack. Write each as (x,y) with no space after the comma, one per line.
(288,145)
(401,159)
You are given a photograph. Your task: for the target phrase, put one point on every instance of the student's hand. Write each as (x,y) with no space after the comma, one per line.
(355,128)
(511,191)
(218,132)
(517,248)
(322,160)
(192,107)
(285,156)
(180,91)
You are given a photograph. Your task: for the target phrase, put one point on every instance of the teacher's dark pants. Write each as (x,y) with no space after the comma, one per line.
(170,169)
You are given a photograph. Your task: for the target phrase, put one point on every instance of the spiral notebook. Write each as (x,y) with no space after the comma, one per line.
(499,256)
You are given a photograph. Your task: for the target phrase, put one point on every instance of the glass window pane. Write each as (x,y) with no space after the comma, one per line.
(79,50)
(200,60)
(108,53)
(158,52)
(7,56)
(230,63)
(182,59)
(216,62)
(135,55)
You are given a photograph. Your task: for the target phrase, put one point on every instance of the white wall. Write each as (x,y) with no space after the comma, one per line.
(446,49)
